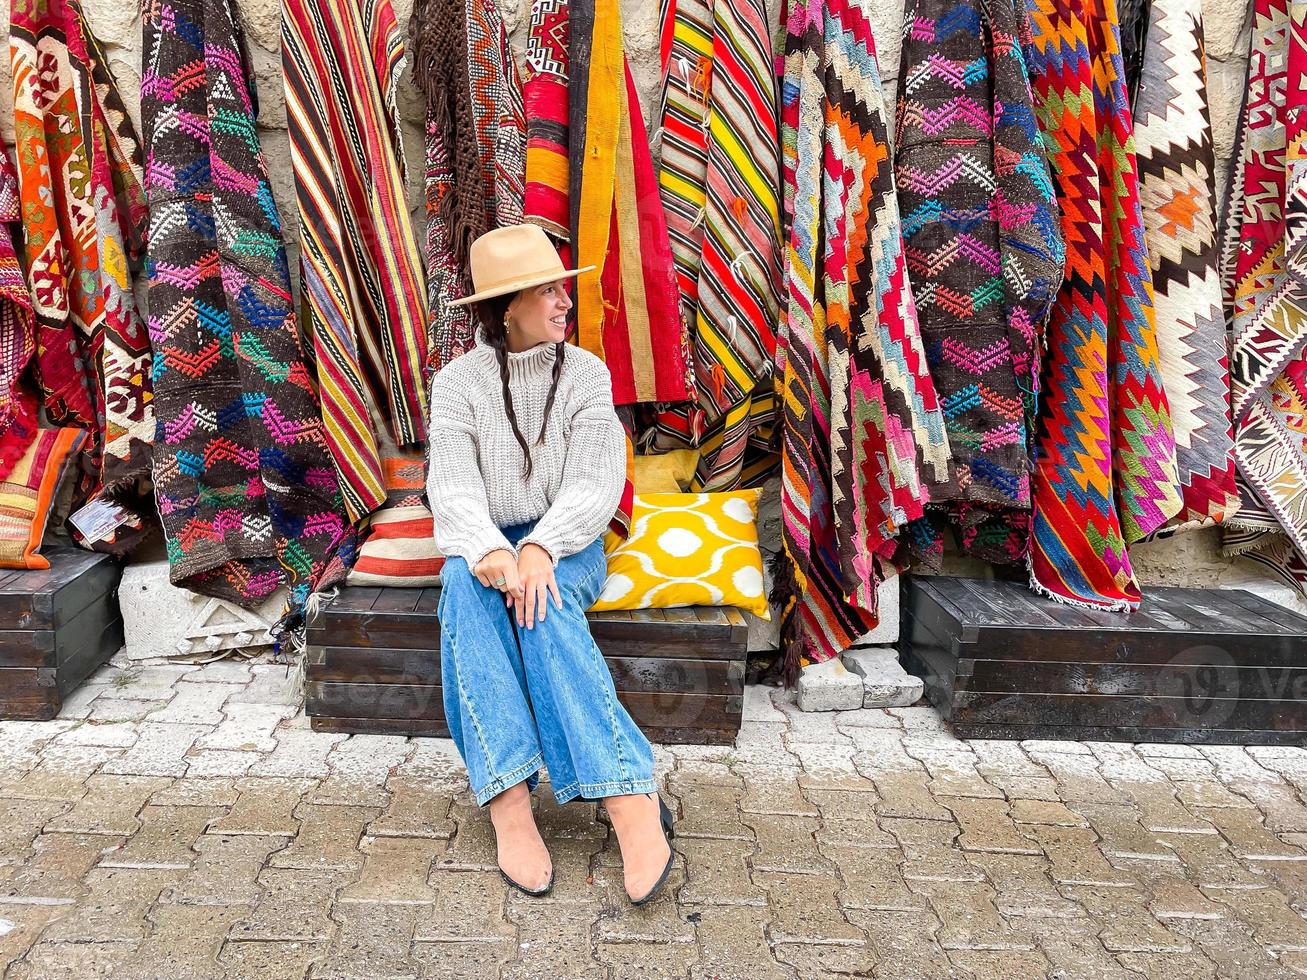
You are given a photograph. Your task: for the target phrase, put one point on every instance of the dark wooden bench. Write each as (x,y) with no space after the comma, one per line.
(1191,665)
(57,626)
(373,665)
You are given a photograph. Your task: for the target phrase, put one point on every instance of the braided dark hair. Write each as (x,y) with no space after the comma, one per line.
(491,312)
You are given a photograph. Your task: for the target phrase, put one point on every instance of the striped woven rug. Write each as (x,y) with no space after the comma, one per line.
(243,479)
(863,434)
(361,270)
(1105,473)
(984,251)
(1264,277)
(719,178)
(1177,197)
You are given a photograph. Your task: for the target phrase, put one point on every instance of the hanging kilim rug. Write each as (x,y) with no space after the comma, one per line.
(1106,472)
(984,253)
(361,270)
(242,474)
(719,176)
(544,92)
(475,151)
(607,211)
(862,431)
(1177,196)
(18,404)
(84,217)
(1264,273)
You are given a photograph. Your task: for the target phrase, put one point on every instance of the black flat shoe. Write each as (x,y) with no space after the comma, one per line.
(669,832)
(548,887)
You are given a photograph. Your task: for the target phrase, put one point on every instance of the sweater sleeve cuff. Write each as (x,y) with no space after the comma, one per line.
(479,547)
(551,549)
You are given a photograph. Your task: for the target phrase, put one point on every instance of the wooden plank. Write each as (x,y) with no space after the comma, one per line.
(1203,618)
(414,701)
(996,604)
(1114,646)
(378,726)
(1173,679)
(27,648)
(418,667)
(418,727)
(374,700)
(396,601)
(82,664)
(1014,607)
(29,598)
(922,593)
(1208,736)
(664,639)
(96,579)
(25,696)
(676,675)
(615,637)
(354,598)
(1264,616)
(86,629)
(1120,711)
(372,665)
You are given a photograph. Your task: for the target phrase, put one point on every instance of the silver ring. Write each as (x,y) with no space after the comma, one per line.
(499,582)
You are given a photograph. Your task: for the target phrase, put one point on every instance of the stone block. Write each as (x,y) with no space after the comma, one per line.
(161,620)
(885,684)
(829,686)
(886,632)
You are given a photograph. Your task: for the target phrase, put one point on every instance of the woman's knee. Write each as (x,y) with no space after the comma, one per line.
(582,575)
(457,580)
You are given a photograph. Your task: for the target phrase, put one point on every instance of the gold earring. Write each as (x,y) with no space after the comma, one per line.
(508,323)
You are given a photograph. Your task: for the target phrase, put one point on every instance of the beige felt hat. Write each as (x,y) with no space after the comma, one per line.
(517,257)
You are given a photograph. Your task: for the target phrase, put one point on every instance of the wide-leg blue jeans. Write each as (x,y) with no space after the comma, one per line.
(517,699)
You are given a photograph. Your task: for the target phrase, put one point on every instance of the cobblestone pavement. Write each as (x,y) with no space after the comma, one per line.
(183,822)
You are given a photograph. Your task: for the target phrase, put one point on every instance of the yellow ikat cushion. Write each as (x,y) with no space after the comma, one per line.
(687,549)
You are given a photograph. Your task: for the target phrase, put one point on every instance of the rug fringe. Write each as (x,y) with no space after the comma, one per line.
(786,586)
(1123,606)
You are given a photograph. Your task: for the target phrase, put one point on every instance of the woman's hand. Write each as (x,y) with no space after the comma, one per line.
(536,572)
(498,570)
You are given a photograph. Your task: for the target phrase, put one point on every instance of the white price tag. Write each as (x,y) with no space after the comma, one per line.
(98,519)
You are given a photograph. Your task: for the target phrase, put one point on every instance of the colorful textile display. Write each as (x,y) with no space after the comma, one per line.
(1105,472)
(476,151)
(18,405)
(27,495)
(243,477)
(84,216)
(548,170)
(627,308)
(985,257)
(863,434)
(364,296)
(1264,275)
(1177,196)
(719,175)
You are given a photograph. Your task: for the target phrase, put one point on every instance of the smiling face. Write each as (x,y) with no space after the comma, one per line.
(539,316)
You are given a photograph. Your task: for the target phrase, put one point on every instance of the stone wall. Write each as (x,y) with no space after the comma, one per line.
(1190,559)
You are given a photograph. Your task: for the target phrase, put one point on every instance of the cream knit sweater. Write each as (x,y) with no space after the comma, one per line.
(475,481)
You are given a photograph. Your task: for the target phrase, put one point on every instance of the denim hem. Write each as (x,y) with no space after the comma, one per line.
(501,783)
(597,791)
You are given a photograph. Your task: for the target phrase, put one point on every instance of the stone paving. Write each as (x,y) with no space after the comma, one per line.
(183,822)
